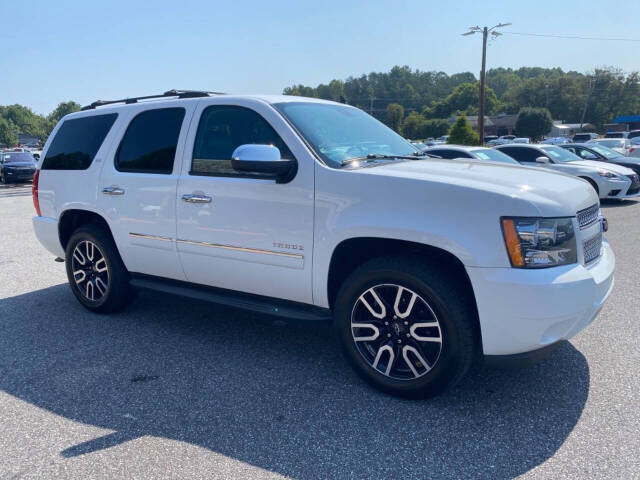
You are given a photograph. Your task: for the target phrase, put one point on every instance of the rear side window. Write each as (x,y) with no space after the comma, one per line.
(77,142)
(522,154)
(149,144)
(222,129)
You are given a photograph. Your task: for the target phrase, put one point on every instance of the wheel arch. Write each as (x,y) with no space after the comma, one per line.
(70,220)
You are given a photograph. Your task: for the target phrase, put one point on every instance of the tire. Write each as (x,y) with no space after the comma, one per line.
(3,179)
(110,290)
(440,296)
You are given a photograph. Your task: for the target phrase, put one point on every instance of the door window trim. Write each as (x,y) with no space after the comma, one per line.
(153,172)
(251,176)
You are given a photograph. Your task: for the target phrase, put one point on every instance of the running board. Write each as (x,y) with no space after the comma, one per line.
(244,301)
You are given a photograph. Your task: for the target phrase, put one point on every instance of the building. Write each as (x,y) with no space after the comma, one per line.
(27,140)
(624,123)
(560,129)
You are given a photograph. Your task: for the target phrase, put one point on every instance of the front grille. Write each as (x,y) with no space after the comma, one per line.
(591,248)
(588,216)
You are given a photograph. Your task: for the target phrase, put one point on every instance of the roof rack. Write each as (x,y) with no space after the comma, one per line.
(167,94)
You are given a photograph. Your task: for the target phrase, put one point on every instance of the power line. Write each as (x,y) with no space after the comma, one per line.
(574,37)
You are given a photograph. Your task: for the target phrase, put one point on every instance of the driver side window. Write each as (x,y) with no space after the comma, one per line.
(586,154)
(222,129)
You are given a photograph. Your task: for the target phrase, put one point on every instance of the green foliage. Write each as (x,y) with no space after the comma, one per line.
(533,122)
(8,132)
(395,114)
(438,95)
(63,108)
(415,126)
(461,133)
(464,99)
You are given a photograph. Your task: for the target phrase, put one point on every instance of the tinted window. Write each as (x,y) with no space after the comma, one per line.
(222,129)
(450,154)
(522,154)
(149,144)
(77,142)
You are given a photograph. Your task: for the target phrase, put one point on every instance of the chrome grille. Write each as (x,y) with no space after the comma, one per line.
(591,248)
(588,216)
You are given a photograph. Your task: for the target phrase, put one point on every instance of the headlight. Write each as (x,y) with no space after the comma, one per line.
(539,242)
(607,174)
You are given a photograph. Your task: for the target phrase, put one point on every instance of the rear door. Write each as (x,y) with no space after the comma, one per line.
(138,184)
(246,232)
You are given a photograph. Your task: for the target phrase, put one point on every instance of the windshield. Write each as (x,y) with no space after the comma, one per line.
(491,155)
(612,143)
(338,132)
(17,157)
(560,155)
(604,151)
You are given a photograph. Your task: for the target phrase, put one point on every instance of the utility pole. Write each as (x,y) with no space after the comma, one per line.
(586,103)
(485,35)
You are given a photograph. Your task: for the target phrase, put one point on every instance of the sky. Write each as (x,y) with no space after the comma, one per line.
(54,51)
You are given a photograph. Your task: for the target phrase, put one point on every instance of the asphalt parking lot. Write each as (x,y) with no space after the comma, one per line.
(182,389)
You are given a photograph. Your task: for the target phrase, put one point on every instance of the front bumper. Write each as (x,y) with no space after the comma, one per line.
(46,230)
(620,189)
(18,175)
(524,310)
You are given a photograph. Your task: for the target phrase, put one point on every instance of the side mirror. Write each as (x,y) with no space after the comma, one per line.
(542,160)
(263,159)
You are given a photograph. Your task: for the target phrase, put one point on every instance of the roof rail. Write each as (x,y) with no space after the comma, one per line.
(167,94)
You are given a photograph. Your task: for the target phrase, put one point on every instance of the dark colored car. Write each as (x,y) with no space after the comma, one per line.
(16,167)
(594,151)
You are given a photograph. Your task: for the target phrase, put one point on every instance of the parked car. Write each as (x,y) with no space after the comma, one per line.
(620,145)
(310,209)
(634,149)
(521,140)
(584,137)
(489,138)
(616,135)
(507,137)
(607,179)
(596,151)
(464,152)
(633,134)
(556,140)
(16,166)
(498,141)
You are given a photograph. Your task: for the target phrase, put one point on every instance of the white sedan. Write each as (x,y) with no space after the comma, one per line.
(608,179)
(620,145)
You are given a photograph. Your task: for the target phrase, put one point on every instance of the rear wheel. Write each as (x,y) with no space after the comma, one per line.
(97,276)
(406,327)
(3,178)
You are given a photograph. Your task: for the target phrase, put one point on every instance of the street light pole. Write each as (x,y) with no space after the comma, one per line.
(485,35)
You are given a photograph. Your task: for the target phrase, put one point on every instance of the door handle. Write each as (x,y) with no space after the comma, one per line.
(113,191)
(196,198)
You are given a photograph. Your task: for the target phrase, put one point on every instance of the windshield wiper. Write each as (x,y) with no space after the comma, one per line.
(375,156)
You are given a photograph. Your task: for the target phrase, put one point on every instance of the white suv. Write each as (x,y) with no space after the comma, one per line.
(312,209)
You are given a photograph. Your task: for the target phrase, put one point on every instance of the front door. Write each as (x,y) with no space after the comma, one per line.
(244,231)
(138,185)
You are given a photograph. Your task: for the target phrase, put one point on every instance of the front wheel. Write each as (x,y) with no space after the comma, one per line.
(3,178)
(407,328)
(97,276)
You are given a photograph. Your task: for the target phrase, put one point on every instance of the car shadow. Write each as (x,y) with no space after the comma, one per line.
(273,394)
(612,203)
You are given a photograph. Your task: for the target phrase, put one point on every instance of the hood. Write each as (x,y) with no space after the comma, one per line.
(612,167)
(551,193)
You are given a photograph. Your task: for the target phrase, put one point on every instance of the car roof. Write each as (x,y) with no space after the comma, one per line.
(166,102)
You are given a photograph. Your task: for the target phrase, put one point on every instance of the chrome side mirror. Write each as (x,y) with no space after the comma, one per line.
(542,160)
(263,159)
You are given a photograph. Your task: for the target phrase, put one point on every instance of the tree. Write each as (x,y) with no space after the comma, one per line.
(434,128)
(533,122)
(461,133)
(63,108)
(395,114)
(464,98)
(413,126)
(8,134)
